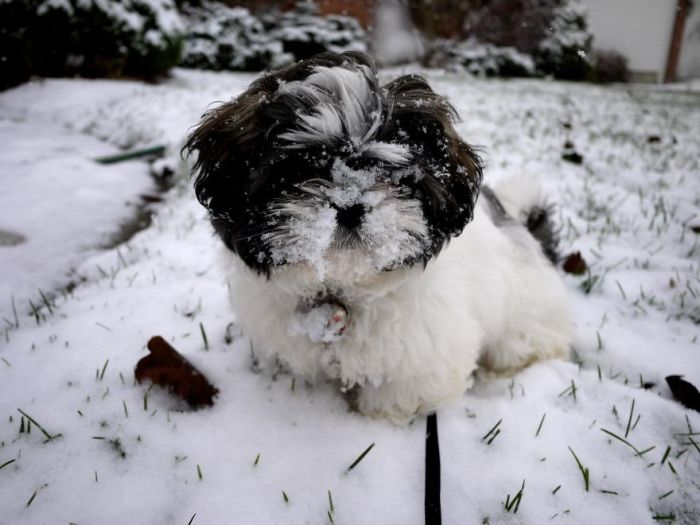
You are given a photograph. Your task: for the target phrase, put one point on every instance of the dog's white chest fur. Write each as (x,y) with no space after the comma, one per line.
(414,336)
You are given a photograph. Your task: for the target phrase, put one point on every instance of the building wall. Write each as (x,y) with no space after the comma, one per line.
(260,6)
(363,10)
(639,29)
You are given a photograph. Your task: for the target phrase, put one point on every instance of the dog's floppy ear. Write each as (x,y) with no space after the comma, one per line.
(226,141)
(229,142)
(426,119)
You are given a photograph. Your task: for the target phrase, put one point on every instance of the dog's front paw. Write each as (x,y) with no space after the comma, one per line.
(402,401)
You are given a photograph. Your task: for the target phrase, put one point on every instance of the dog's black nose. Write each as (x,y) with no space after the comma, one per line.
(350,217)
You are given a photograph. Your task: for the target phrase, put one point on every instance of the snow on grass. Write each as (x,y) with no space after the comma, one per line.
(629,209)
(57,204)
(51,186)
(570,442)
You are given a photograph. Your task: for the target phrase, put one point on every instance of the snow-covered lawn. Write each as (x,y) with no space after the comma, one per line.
(272,449)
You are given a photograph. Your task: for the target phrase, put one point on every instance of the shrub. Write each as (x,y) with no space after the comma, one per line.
(518,23)
(565,50)
(553,32)
(480,59)
(231,38)
(228,38)
(93,38)
(15,60)
(610,66)
(303,33)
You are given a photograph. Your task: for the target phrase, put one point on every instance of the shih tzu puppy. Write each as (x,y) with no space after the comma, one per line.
(342,205)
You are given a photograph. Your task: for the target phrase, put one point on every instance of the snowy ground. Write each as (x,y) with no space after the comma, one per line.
(271,449)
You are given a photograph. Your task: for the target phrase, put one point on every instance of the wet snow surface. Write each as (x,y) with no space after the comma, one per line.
(121,453)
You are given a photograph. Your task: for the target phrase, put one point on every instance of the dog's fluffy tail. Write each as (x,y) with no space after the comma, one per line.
(523,199)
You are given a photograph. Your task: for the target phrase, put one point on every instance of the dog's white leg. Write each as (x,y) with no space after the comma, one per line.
(402,400)
(442,373)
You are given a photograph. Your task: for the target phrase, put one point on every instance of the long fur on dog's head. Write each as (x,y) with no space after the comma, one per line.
(317,157)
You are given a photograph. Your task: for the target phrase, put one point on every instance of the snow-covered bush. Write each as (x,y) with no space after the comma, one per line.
(93,38)
(303,33)
(228,38)
(564,52)
(553,32)
(221,37)
(232,38)
(480,59)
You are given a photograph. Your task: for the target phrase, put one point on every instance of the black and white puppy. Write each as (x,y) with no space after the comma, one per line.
(342,206)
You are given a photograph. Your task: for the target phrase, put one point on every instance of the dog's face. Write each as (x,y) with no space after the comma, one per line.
(317,166)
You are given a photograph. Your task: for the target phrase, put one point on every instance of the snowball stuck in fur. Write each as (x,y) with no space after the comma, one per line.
(324,323)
